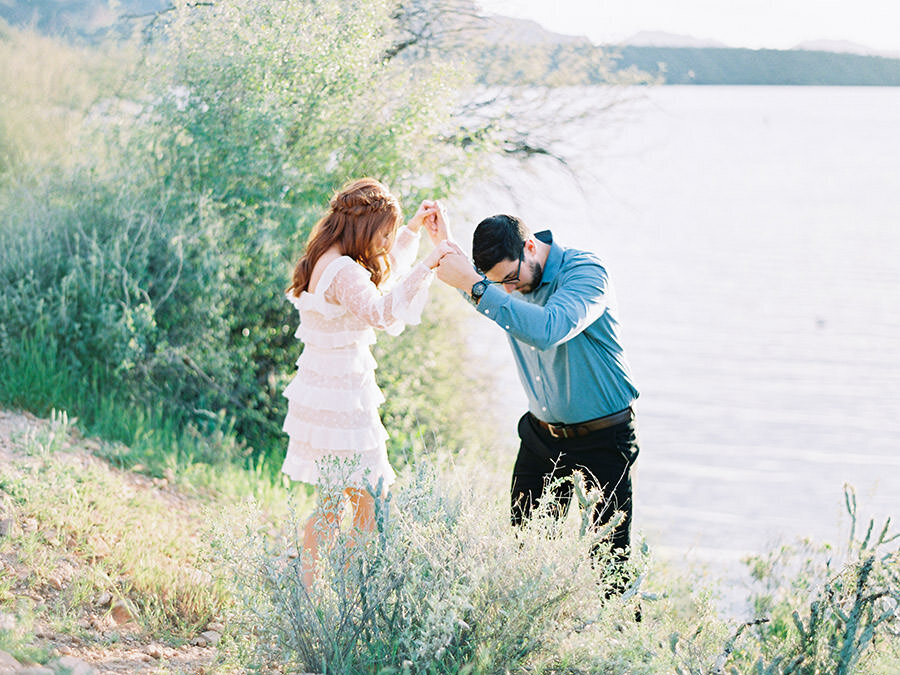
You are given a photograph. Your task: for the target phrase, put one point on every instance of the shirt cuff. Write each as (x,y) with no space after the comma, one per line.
(491,301)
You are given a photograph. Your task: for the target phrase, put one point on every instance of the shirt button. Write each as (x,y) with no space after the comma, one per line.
(544,409)
(507,328)
(532,349)
(487,311)
(538,378)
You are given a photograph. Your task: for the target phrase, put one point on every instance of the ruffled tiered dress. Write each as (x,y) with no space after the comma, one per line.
(336,435)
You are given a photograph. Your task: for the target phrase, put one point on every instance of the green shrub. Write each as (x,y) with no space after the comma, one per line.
(828,610)
(149,274)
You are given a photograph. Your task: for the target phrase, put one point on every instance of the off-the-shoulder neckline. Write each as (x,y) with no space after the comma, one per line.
(320,287)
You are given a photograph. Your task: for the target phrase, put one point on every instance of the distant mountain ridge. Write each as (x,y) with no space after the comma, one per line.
(732,66)
(74,18)
(520,51)
(844,47)
(682,59)
(660,39)
(663,39)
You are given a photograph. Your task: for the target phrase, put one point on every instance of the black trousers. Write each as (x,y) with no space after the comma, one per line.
(604,457)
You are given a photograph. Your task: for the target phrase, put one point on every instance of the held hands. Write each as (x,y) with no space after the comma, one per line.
(424,213)
(437,226)
(453,266)
(439,252)
(433,216)
(456,270)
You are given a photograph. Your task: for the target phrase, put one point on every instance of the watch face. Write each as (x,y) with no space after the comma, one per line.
(479,288)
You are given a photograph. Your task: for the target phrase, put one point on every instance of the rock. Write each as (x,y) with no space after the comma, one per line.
(103,600)
(216,626)
(7,622)
(211,637)
(51,536)
(8,664)
(34,670)
(99,547)
(72,666)
(55,583)
(121,612)
(154,651)
(6,527)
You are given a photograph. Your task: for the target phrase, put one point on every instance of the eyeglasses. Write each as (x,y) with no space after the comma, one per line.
(512,279)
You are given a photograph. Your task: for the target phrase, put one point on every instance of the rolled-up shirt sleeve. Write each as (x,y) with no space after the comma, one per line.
(579,301)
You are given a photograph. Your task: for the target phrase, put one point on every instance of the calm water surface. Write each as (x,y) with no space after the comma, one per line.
(753,234)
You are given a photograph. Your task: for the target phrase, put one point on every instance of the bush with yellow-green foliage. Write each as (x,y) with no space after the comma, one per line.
(145,252)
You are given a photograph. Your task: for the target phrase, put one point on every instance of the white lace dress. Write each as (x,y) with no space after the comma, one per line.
(336,434)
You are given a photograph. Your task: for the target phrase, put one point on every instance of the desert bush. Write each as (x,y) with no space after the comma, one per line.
(826,609)
(442,585)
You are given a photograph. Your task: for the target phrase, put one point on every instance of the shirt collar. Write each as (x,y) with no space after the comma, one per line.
(554,258)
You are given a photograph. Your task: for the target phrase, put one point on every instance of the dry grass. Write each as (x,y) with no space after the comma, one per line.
(98,559)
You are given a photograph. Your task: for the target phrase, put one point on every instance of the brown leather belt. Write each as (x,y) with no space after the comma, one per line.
(584,428)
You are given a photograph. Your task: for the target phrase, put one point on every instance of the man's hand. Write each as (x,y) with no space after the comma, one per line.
(456,270)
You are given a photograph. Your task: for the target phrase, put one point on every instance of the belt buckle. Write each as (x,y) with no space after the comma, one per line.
(558,431)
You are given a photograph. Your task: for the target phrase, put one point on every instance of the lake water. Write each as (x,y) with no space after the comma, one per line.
(753,235)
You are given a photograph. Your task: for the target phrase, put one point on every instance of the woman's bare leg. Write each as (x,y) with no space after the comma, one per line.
(363,505)
(322,526)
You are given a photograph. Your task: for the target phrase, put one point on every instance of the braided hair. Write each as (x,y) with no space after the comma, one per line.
(359,215)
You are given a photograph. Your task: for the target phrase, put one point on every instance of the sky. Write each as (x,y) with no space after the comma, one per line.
(772,24)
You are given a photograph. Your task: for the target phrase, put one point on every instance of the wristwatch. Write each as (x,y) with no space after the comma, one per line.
(478,288)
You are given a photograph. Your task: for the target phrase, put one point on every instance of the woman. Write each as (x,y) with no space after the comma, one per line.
(336,434)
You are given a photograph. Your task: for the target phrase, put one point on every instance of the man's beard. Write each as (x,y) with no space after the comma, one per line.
(537,273)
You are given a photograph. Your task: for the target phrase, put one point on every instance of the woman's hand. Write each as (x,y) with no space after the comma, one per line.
(433,259)
(423,216)
(437,226)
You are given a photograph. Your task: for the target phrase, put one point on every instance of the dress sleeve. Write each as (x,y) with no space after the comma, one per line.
(391,311)
(403,253)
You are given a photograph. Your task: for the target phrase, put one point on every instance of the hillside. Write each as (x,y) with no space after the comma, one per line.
(83,588)
(74,19)
(722,65)
(507,50)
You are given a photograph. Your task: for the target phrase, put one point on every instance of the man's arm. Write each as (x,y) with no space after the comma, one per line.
(457,271)
(579,300)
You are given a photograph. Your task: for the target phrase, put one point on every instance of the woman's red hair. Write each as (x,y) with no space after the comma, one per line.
(359,215)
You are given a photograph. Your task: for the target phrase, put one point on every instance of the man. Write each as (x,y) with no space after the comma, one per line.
(560,318)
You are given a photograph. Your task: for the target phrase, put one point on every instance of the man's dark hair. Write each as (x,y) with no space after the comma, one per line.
(496,239)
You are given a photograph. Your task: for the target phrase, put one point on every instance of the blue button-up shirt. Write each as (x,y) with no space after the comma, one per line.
(565,338)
